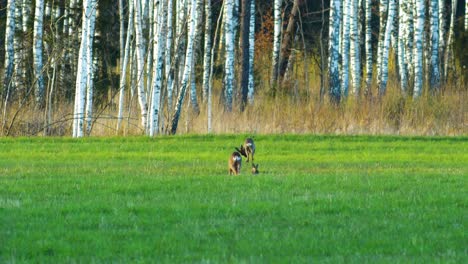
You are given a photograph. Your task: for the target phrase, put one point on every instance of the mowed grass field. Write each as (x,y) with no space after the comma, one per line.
(317,199)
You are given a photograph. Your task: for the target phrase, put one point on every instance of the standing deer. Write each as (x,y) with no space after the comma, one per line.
(248,149)
(255,168)
(234,163)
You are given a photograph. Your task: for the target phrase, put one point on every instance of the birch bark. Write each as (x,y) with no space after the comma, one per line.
(140,50)
(158,68)
(386,47)
(334,35)
(229,64)
(187,69)
(434,64)
(37,51)
(276,41)
(123,70)
(418,51)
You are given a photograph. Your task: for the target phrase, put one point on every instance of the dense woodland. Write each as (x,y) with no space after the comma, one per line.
(151,67)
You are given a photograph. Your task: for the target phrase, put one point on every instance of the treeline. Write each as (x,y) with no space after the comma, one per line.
(66,62)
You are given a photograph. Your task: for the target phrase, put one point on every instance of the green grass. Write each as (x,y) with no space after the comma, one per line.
(332,199)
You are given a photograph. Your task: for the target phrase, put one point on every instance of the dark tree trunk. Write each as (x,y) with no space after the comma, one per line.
(287,38)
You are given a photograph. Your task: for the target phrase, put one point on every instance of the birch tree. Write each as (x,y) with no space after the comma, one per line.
(442,34)
(355,56)
(345,47)
(251,52)
(158,68)
(334,35)
(9,46)
(169,41)
(402,32)
(187,69)
(207,48)
(418,51)
(466,15)
(229,64)
(409,37)
(196,44)
(17,44)
(89,15)
(434,61)
(179,51)
(219,25)
(386,47)
(140,53)
(368,44)
(37,51)
(123,70)
(383,8)
(91,65)
(276,40)
(245,49)
(450,40)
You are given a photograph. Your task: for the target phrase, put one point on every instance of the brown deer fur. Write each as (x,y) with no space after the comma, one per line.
(247,149)
(234,163)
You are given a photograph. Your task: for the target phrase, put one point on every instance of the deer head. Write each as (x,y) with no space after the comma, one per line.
(242,151)
(255,168)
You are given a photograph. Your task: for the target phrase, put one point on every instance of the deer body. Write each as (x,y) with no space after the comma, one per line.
(234,163)
(247,149)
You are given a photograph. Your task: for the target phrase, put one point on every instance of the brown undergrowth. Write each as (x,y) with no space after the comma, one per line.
(441,114)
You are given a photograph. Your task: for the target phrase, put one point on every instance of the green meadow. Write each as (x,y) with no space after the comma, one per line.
(317,199)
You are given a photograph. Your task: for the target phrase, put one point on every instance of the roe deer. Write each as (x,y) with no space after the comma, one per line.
(255,168)
(248,149)
(234,163)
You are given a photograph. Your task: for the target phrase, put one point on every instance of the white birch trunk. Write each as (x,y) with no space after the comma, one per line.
(140,50)
(158,68)
(450,41)
(418,51)
(334,36)
(355,55)
(442,35)
(179,52)
(183,25)
(276,40)
(149,18)
(193,87)
(123,70)
(91,65)
(251,52)
(187,69)
(383,8)
(434,63)
(9,44)
(37,51)
(230,46)
(386,47)
(207,48)
(409,38)
(26,11)
(402,32)
(466,15)
(169,41)
(81,76)
(17,43)
(345,46)
(368,42)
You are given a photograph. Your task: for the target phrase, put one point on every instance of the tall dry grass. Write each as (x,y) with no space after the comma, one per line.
(441,114)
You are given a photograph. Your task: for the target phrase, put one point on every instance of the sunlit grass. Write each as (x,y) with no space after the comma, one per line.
(170,199)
